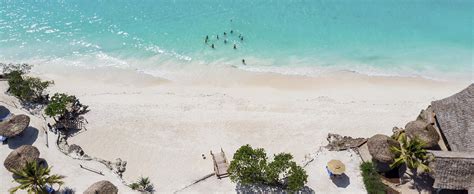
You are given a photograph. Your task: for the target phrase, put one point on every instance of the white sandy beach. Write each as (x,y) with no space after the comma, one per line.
(162,127)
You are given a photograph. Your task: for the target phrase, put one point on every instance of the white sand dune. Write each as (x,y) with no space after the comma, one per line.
(161,128)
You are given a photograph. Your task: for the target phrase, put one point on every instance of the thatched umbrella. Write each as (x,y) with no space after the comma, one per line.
(336,167)
(18,158)
(102,187)
(424,131)
(14,125)
(379,147)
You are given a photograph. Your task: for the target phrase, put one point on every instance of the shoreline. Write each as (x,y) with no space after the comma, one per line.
(162,127)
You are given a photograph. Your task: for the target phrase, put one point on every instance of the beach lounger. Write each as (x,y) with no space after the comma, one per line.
(221,164)
(3,140)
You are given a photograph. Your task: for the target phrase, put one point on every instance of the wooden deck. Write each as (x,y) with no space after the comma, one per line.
(221,164)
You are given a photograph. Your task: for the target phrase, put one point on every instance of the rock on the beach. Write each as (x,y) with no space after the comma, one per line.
(427,115)
(76,149)
(379,147)
(424,131)
(338,142)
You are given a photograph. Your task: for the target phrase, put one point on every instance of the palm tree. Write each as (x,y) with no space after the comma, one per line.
(35,178)
(143,184)
(411,153)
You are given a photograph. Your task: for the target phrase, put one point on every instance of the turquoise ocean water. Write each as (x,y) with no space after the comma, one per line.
(432,38)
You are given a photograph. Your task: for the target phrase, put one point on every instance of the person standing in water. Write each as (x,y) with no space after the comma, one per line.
(212,46)
(207,39)
(231,31)
(235,46)
(217,37)
(225,41)
(243,62)
(225,33)
(242,38)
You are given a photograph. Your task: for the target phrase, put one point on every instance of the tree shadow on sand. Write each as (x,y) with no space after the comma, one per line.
(420,181)
(4,112)
(247,189)
(341,180)
(27,137)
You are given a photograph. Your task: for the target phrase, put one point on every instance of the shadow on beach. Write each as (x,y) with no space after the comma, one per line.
(341,180)
(27,137)
(246,189)
(4,112)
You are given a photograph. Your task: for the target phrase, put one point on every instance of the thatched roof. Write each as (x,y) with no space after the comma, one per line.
(14,126)
(18,158)
(102,187)
(453,170)
(455,116)
(379,147)
(423,131)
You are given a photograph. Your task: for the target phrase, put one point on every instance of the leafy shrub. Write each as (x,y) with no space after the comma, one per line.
(297,177)
(26,89)
(249,166)
(371,179)
(64,108)
(58,104)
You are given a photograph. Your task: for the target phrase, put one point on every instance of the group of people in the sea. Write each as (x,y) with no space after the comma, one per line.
(224,38)
(208,41)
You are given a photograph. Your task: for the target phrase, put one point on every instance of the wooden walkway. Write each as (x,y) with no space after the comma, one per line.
(221,164)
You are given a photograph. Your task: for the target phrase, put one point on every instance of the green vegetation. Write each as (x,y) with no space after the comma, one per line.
(59,104)
(64,108)
(250,166)
(371,179)
(26,89)
(411,153)
(34,178)
(142,185)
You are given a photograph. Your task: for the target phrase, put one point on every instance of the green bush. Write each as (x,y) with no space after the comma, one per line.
(58,104)
(26,89)
(65,108)
(371,179)
(249,166)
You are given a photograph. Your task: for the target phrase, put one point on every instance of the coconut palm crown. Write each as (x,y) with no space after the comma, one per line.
(411,153)
(35,179)
(143,184)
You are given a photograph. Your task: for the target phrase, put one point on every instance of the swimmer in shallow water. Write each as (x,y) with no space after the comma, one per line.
(231,31)
(207,39)
(242,38)
(225,33)
(212,46)
(217,37)
(225,41)
(243,62)
(235,46)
